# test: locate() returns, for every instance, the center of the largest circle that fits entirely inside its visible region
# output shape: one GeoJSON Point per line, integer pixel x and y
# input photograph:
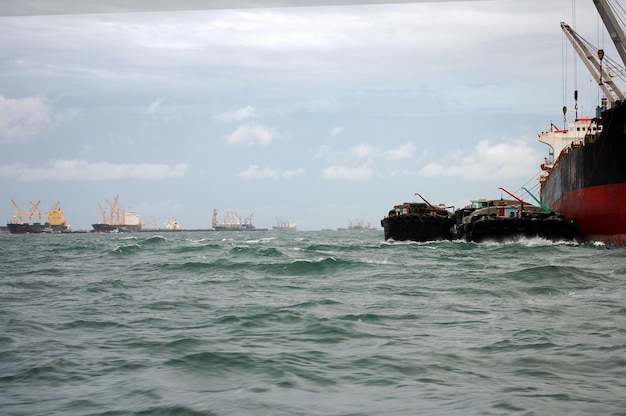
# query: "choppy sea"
{"type": "Point", "coordinates": [309, 323]}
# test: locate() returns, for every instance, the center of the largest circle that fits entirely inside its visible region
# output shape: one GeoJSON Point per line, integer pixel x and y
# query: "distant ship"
{"type": "Point", "coordinates": [585, 175]}
{"type": "Point", "coordinates": [172, 225]}
{"type": "Point", "coordinates": [56, 222]}
{"type": "Point", "coordinates": [232, 222]}
{"type": "Point", "coordinates": [119, 220]}
{"type": "Point", "coordinates": [284, 225]}
{"type": "Point", "coordinates": [359, 225]}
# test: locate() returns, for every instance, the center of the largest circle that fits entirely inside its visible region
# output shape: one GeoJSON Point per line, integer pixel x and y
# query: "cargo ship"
{"type": "Point", "coordinates": [358, 225]}
{"type": "Point", "coordinates": [232, 222]}
{"type": "Point", "coordinates": [585, 174]}
{"type": "Point", "coordinates": [118, 221]}
{"type": "Point", "coordinates": [56, 222]}
{"type": "Point", "coordinates": [284, 225]}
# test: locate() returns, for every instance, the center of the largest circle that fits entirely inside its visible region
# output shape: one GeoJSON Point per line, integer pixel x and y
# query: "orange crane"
{"type": "Point", "coordinates": [33, 208]}
{"type": "Point", "coordinates": [113, 208]}
{"type": "Point", "coordinates": [19, 212]}
{"type": "Point", "coordinates": [104, 214]}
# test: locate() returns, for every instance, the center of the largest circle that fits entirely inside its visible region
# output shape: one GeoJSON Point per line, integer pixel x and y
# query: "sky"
{"type": "Point", "coordinates": [323, 116]}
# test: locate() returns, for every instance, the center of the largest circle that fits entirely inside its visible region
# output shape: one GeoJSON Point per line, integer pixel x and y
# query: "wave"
{"type": "Point", "coordinates": [90, 324]}
{"type": "Point", "coordinates": [257, 251]}
{"type": "Point", "coordinates": [126, 249]}
{"type": "Point", "coordinates": [155, 239]}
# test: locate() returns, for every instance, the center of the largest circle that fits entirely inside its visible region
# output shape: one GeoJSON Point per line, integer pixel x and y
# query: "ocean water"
{"type": "Point", "coordinates": [309, 323]}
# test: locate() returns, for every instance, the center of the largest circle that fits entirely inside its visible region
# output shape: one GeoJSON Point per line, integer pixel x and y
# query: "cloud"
{"type": "Point", "coordinates": [404, 151]}
{"type": "Point", "coordinates": [81, 170]}
{"type": "Point", "coordinates": [267, 172]}
{"type": "Point", "coordinates": [366, 151]}
{"type": "Point", "coordinates": [154, 106]}
{"type": "Point", "coordinates": [335, 131]}
{"type": "Point", "coordinates": [363, 151]}
{"type": "Point", "coordinates": [244, 113]}
{"type": "Point", "coordinates": [344, 172]}
{"type": "Point", "coordinates": [252, 134]}
{"type": "Point", "coordinates": [487, 162]}
{"type": "Point", "coordinates": [21, 118]}
{"type": "Point", "coordinates": [65, 7]}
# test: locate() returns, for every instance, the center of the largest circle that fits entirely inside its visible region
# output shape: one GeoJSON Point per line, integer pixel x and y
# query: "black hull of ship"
{"type": "Point", "coordinates": [588, 183]}
{"type": "Point", "coordinates": [36, 228]}
{"type": "Point", "coordinates": [241, 228]}
{"type": "Point", "coordinates": [121, 228]}
{"type": "Point", "coordinates": [514, 229]}
{"type": "Point", "coordinates": [413, 227]}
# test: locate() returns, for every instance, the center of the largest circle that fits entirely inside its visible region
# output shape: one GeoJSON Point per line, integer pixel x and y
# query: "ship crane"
{"type": "Point", "coordinates": [20, 214]}
{"type": "Point", "coordinates": [214, 218]}
{"type": "Point", "coordinates": [595, 67]}
{"type": "Point", "coordinates": [103, 213]}
{"type": "Point", "coordinates": [615, 30]}
{"type": "Point", "coordinates": [114, 210]}
{"type": "Point", "coordinates": [33, 208]}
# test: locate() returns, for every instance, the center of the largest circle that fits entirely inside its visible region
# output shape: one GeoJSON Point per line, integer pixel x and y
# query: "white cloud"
{"type": "Point", "coordinates": [404, 151]}
{"type": "Point", "coordinates": [252, 134]}
{"type": "Point", "coordinates": [154, 106]}
{"type": "Point", "coordinates": [363, 151]}
{"type": "Point", "coordinates": [267, 172]}
{"type": "Point", "coordinates": [488, 162]}
{"type": "Point", "coordinates": [81, 170]}
{"type": "Point", "coordinates": [21, 118]}
{"type": "Point", "coordinates": [244, 113]}
{"type": "Point", "coordinates": [366, 151]}
{"type": "Point", "coordinates": [335, 131]}
{"type": "Point", "coordinates": [344, 172]}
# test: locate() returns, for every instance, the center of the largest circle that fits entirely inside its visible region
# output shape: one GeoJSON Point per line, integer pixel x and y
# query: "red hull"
{"type": "Point", "coordinates": [598, 211]}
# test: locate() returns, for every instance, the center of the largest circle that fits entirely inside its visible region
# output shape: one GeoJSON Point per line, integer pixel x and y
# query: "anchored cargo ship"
{"type": "Point", "coordinates": [284, 225]}
{"type": "Point", "coordinates": [232, 222]}
{"type": "Point", "coordinates": [585, 175]}
{"type": "Point", "coordinates": [118, 221]}
{"type": "Point", "coordinates": [358, 225]}
{"type": "Point", "coordinates": [56, 222]}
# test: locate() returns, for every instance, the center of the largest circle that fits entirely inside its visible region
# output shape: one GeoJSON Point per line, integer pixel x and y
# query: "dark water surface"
{"type": "Point", "coordinates": [308, 323]}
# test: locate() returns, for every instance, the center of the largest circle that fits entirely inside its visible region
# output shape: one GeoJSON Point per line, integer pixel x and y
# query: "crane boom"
{"type": "Point", "coordinates": [19, 212]}
{"type": "Point", "coordinates": [434, 208]}
{"type": "Point", "coordinates": [103, 213]}
{"type": "Point", "coordinates": [597, 71]}
{"type": "Point", "coordinates": [33, 209]}
{"type": "Point", "coordinates": [521, 201]}
{"type": "Point", "coordinates": [615, 30]}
